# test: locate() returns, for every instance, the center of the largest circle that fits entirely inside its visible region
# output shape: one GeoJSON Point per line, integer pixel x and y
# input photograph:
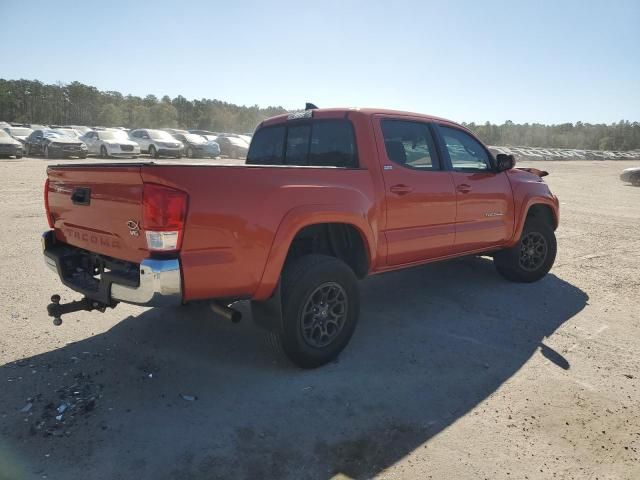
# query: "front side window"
{"type": "Point", "coordinates": [409, 144]}
{"type": "Point", "coordinates": [466, 152]}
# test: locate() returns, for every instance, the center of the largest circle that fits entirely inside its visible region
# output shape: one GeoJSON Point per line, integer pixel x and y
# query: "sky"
{"type": "Point", "coordinates": [535, 61]}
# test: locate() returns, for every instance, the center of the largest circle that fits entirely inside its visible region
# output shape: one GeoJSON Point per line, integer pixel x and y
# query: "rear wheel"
{"type": "Point", "coordinates": [320, 308]}
{"type": "Point", "coordinates": [533, 256]}
{"type": "Point", "coordinates": [153, 152]}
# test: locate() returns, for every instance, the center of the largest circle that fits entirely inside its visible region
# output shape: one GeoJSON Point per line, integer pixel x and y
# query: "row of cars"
{"type": "Point", "coordinates": [77, 141]}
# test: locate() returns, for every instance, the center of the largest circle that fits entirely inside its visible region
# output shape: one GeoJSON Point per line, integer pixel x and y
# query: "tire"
{"type": "Point", "coordinates": [532, 257]}
{"type": "Point", "coordinates": [153, 152]}
{"type": "Point", "coordinates": [83, 156]}
{"type": "Point", "coordinates": [324, 291]}
{"type": "Point", "coordinates": [190, 153]}
{"type": "Point", "coordinates": [635, 180]}
{"type": "Point", "coordinates": [103, 152]}
{"type": "Point", "coordinates": [18, 157]}
{"type": "Point", "coordinates": [46, 152]}
{"type": "Point", "coordinates": [27, 150]}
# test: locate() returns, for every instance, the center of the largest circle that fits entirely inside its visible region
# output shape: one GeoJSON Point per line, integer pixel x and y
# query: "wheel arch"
{"type": "Point", "coordinates": [542, 208]}
{"type": "Point", "coordinates": [332, 224]}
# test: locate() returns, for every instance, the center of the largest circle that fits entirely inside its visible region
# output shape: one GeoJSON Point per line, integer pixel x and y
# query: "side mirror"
{"type": "Point", "coordinates": [505, 162]}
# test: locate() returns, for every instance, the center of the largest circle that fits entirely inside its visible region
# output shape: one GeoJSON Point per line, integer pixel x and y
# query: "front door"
{"type": "Point", "coordinates": [485, 213]}
{"type": "Point", "coordinates": [420, 196]}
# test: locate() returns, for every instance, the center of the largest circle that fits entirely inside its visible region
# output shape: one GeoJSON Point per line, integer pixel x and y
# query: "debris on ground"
{"type": "Point", "coordinates": [188, 398]}
{"type": "Point", "coordinates": [27, 407]}
{"type": "Point", "coordinates": [73, 401]}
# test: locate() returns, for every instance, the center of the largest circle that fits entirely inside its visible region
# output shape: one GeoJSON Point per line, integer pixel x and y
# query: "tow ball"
{"type": "Point", "coordinates": [56, 309]}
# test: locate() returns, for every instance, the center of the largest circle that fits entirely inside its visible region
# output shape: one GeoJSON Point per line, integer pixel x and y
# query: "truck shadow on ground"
{"type": "Point", "coordinates": [433, 342]}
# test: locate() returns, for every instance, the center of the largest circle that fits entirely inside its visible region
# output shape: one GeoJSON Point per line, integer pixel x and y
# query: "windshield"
{"type": "Point", "coordinates": [160, 135]}
{"type": "Point", "coordinates": [22, 132]}
{"type": "Point", "coordinates": [194, 138]}
{"type": "Point", "coordinates": [113, 135]}
{"type": "Point", "coordinates": [51, 134]}
{"type": "Point", "coordinates": [211, 138]}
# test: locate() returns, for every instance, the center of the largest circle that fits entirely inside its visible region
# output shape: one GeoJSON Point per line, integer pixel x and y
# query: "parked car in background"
{"type": "Point", "coordinates": [33, 126]}
{"type": "Point", "coordinates": [9, 146]}
{"type": "Point", "coordinates": [67, 131]}
{"type": "Point", "coordinates": [54, 144]}
{"type": "Point", "coordinates": [204, 132]}
{"type": "Point", "coordinates": [174, 131]}
{"type": "Point", "coordinates": [631, 175]}
{"type": "Point", "coordinates": [157, 143]}
{"type": "Point", "coordinates": [111, 143]}
{"type": "Point", "coordinates": [233, 147]}
{"type": "Point", "coordinates": [197, 146]}
{"type": "Point", "coordinates": [81, 129]}
{"type": "Point", "coordinates": [19, 133]}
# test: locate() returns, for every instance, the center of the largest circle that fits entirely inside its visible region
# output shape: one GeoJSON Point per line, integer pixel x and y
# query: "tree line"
{"type": "Point", "coordinates": [31, 101]}
{"type": "Point", "coordinates": [623, 135]}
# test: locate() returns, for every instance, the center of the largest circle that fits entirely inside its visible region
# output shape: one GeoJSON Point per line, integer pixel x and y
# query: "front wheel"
{"type": "Point", "coordinates": [103, 152]}
{"type": "Point", "coordinates": [532, 258]}
{"type": "Point", "coordinates": [153, 153]}
{"type": "Point", "coordinates": [320, 308]}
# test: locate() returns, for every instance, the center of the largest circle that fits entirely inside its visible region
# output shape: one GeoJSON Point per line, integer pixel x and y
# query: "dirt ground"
{"type": "Point", "coordinates": [453, 372]}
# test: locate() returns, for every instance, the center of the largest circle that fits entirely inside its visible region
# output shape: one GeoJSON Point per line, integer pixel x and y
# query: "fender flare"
{"type": "Point", "coordinates": [297, 219]}
{"type": "Point", "coordinates": [528, 202]}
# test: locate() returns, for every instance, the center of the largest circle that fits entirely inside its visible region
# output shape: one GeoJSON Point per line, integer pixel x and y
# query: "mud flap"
{"type": "Point", "coordinates": [267, 314]}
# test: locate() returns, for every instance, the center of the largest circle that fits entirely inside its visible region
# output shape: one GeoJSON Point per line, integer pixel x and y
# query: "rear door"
{"type": "Point", "coordinates": [485, 211]}
{"type": "Point", "coordinates": [99, 208]}
{"type": "Point", "coordinates": [420, 195]}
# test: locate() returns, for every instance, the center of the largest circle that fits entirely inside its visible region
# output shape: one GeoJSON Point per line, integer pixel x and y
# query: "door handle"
{"type": "Point", "coordinates": [401, 189]}
{"type": "Point", "coordinates": [463, 188]}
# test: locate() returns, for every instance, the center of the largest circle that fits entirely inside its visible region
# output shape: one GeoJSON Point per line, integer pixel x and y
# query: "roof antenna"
{"type": "Point", "coordinates": [310, 106]}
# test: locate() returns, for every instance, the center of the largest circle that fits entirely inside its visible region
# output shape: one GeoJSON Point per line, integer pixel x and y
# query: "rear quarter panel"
{"type": "Point", "coordinates": [242, 219]}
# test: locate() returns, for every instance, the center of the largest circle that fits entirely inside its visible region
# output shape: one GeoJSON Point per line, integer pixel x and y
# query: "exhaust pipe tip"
{"type": "Point", "coordinates": [226, 312]}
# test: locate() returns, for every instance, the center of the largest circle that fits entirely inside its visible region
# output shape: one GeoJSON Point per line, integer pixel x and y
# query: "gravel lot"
{"type": "Point", "coordinates": [452, 373]}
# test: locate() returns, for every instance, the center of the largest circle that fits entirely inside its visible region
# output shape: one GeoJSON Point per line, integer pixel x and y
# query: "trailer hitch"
{"type": "Point", "coordinates": [56, 309]}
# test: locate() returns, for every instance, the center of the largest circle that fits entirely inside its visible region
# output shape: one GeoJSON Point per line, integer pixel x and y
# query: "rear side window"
{"type": "Point", "coordinates": [409, 144]}
{"type": "Point", "coordinates": [323, 143]}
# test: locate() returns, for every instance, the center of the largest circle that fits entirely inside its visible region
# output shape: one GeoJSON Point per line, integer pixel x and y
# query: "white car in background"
{"type": "Point", "coordinates": [111, 143]}
{"type": "Point", "coordinates": [157, 143]}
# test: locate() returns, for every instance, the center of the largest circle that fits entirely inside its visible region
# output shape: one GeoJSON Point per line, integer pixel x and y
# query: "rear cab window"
{"type": "Point", "coordinates": [315, 143]}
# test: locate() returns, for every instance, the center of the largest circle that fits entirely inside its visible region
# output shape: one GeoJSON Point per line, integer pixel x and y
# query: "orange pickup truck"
{"type": "Point", "coordinates": [327, 197]}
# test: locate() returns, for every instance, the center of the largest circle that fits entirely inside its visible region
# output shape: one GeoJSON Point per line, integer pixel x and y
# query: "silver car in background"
{"type": "Point", "coordinates": [111, 143]}
{"type": "Point", "coordinates": [157, 143]}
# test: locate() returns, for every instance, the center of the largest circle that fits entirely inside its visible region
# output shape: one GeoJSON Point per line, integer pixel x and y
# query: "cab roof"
{"type": "Point", "coordinates": [344, 112]}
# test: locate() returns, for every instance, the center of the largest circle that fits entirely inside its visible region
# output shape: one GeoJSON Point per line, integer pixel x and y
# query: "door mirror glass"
{"type": "Point", "coordinates": [505, 162]}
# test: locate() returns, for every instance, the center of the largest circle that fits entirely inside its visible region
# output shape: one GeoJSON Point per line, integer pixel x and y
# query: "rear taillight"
{"type": "Point", "coordinates": [46, 204]}
{"type": "Point", "coordinates": [164, 210]}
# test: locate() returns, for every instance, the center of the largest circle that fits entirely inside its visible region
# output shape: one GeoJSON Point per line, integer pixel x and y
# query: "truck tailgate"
{"type": "Point", "coordinates": [98, 208]}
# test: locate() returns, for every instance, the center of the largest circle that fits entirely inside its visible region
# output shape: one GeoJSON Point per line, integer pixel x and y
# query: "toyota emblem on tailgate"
{"type": "Point", "coordinates": [134, 228]}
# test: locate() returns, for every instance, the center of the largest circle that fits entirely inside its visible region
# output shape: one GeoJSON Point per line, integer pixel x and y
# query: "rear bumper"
{"type": "Point", "coordinates": [153, 283]}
